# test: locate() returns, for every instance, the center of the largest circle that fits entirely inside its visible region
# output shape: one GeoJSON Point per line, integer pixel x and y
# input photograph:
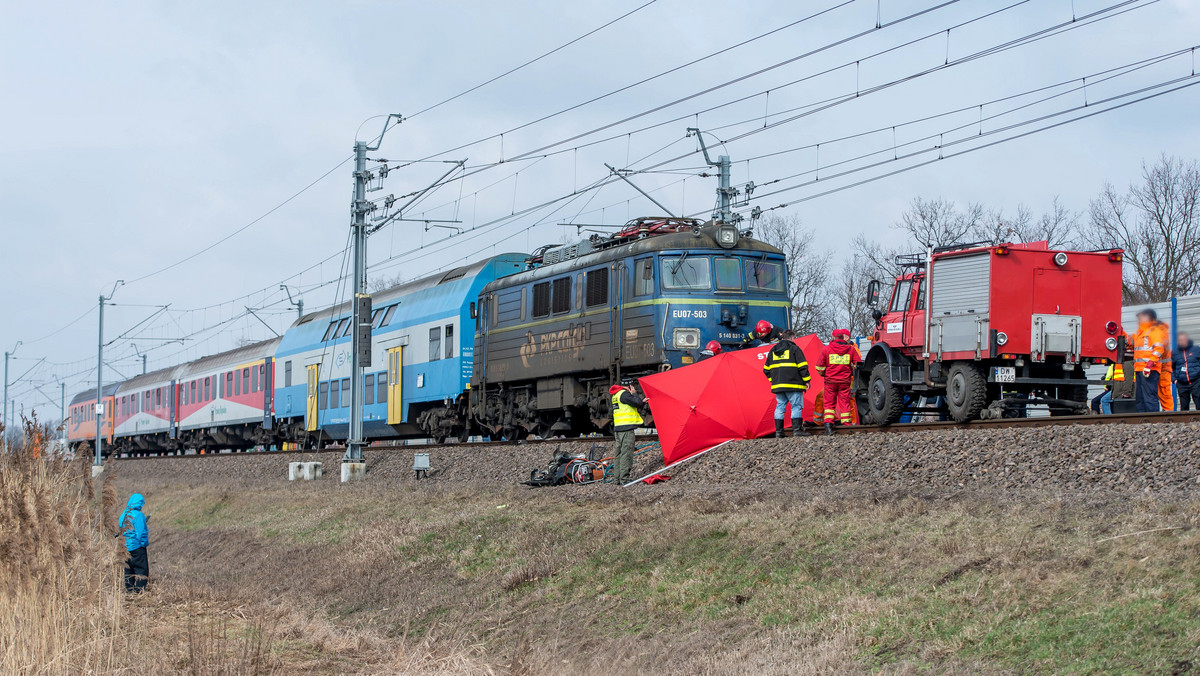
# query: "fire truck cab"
{"type": "Point", "coordinates": [992, 328]}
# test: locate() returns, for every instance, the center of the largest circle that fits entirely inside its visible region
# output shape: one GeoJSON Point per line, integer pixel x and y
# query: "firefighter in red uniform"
{"type": "Point", "coordinates": [836, 365]}
{"type": "Point", "coordinates": [712, 349]}
{"type": "Point", "coordinates": [762, 334]}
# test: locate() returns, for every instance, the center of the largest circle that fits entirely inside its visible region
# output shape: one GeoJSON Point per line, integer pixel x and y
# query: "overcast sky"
{"type": "Point", "coordinates": [134, 139]}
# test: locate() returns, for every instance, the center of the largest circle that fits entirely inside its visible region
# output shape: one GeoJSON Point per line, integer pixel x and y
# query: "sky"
{"type": "Point", "coordinates": [198, 151]}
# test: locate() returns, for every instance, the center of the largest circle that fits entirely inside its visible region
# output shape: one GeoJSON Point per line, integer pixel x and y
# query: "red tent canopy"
{"type": "Point", "coordinates": [725, 397]}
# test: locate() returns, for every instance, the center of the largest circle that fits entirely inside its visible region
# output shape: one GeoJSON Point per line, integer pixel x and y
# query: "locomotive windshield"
{"type": "Point", "coordinates": [764, 276]}
{"type": "Point", "coordinates": [686, 272]}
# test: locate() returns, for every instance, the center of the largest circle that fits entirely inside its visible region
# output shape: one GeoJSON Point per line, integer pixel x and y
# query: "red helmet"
{"type": "Point", "coordinates": [841, 333]}
{"type": "Point", "coordinates": [762, 328]}
{"type": "Point", "coordinates": [713, 346]}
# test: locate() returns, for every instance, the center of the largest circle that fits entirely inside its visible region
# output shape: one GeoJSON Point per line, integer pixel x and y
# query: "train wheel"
{"type": "Point", "coordinates": [966, 391]}
{"type": "Point", "coordinates": [885, 401]}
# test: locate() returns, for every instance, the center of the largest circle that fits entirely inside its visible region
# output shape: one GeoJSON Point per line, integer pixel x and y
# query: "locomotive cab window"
{"type": "Point", "coordinates": [729, 274]}
{"type": "Point", "coordinates": [764, 276]}
{"type": "Point", "coordinates": [597, 287]}
{"type": "Point", "coordinates": [541, 299]}
{"type": "Point", "coordinates": [643, 277]}
{"type": "Point", "coordinates": [560, 297]}
{"type": "Point", "coordinates": [686, 273]}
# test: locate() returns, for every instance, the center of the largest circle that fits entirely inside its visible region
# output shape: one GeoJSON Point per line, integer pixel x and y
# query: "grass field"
{"type": "Point", "coordinates": [596, 580]}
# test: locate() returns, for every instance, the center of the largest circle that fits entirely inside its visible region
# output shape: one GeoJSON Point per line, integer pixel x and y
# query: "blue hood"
{"type": "Point", "coordinates": [136, 501]}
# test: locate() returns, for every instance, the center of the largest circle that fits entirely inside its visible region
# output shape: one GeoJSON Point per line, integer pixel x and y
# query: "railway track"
{"type": "Point", "coordinates": [1182, 417]}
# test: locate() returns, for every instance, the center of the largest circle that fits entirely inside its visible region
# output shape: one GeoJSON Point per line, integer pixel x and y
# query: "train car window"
{"type": "Point", "coordinates": [287, 374]}
{"type": "Point", "coordinates": [341, 326]}
{"type": "Point", "coordinates": [237, 386]}
{"type": "Point", "coordinates": [345, 391]}
{"type": "Point", "coordinates": [254, 380]}
{"type": "Point", "coordinates": [449, 341]}
{"type": "Point", "coordinates": [561, 295]}
{"type": "Point", "coordinates": [686, 272]}
{"type": "Point", "coordinates": [921, 293]}
{"type": "Point", "coordinates": [329, 330]}
{"type": "Point", "coordinates": [435, 343]}
{"type": "Point", "coordinates": [208, 389]}
{"type": "Point", "coordinates": [541, 299]}
{"type": "Point", "coordinates": [597, 287]}
{"type": "Point", "coordinates": [192, 392]}
{"type": "Point", "coordinates": [729, 274]}
{"type": "Point", "coordinates": [229, 384]}
{"type": "Point", "coordinates": [323, 396]}
{"type": "Point", "coordinates": [764, 276]}
{"type": "Point", "coordinates": [158, 398]}
{"type": "Point", "coordinates": [376, 315]}
{"type": "Point", "coordinates": [387, 317]}
{"type": "Point", "coordinates": [368, 389]}
{"type": "Point", "coordinates": [335, 390]}
{"type": "Point", "coordinates": [902, 296]}
{"type": "Point", "coordinates": [349, 325]}
{"type": "Point", "coordinates": [643, 277]}
{"type": "Point", "coordinates": [382, 388]}
{"type": "Point", "coordinates": [245, 381]}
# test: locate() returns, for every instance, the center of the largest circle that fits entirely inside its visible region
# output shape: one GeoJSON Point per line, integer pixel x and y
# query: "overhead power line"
{"type": "Point", "coordinates": [534, 60]}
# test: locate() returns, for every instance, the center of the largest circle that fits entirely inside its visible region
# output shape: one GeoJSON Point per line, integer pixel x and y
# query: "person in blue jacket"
{"type": "Point", "coordinates": [133, 524]}
{"type": "Point", "coordinates": [1186, 361]}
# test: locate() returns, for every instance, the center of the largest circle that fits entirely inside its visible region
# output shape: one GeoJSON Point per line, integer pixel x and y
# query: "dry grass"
{"type": "Point", "coordinates": [62, 592]}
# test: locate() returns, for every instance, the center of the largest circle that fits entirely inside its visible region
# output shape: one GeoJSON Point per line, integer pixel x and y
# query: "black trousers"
{"type": "Point", "coordinates": [1188, 393]}
{"type": "Point", "coordinates": [1147, 392]}
{"type": "Point", "coordinates": [137, 570]}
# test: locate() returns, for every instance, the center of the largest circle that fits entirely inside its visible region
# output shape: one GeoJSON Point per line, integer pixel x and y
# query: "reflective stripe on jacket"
{"type": "Point", "coordinates": [787, 368]}
{"type": "Point", "coordinates": [1150, 346]}
{"type": "Point", "coordinates": [838, 360]}
{"type": "Point", "coordinates": [624, 415]}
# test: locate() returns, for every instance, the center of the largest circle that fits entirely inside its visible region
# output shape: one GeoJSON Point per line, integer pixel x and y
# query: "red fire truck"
{"type": "Point", "coordinates": [992, 329]}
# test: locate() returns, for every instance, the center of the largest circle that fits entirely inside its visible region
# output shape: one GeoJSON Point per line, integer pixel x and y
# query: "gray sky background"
{"type": "Point", "coordinates": [135, 138]}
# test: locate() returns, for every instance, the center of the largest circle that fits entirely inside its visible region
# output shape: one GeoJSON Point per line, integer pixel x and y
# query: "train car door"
{"type": "Point", "coordinates": [395, 388]}
{"type": "Point", "coordinates": [267, 369]}
{"type": "Point", "coordinates": [310, 409]}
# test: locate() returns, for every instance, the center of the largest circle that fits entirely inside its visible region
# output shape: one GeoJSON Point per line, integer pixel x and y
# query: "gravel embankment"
{"type": "Point", "coordinates": [1124, 458]}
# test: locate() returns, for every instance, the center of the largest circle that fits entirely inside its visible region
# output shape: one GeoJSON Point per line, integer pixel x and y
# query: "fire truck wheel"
{"type": "Point", "coordinates": [885, 401]}
{"type": "Point", "coordinates": [966, 391]}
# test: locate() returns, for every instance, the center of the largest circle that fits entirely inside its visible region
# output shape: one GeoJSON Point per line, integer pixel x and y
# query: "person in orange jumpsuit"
{"type": "Point", "coordinates": [836, 366]}
{"type": "Point", "coordinates": [1152, 363]}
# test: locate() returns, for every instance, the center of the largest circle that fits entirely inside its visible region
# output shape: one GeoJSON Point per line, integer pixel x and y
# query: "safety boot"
{"type": "Point", "coordinates": [778, 429]}
{"type": "Point", "coordinates": [798, 428]}
{"type": "Point", "coordinates": [829, 429]}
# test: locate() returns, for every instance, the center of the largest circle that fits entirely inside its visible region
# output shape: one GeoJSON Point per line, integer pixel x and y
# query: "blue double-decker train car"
{"type": "Point", "coordinates": [422, 357]}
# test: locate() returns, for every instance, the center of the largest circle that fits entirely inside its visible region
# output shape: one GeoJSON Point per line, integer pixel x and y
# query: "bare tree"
{"type": "Point", "coordinates": [1059, 226]}
{"type": "Point", "coordinates": [853, 313]}
{"type": "Point", "coordinates": [1155, 222]}
{"type": "Point", "coordinates": [808, 271]}
{"type": "Point", "coordinates": [938, 222]}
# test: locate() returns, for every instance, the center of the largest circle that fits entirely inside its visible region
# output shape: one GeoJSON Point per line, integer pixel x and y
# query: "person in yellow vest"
{"type": "Point", "coordinates": [1102, 403]}
{"type": "Point", "coordinates": [627, 409]}
{"type": "Point", "coordinates": [1152, 359]}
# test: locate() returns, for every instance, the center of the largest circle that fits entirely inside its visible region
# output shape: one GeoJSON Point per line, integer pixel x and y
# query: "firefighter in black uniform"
{"type": "Point", "coordinates": [787, 369]}
{"type": "Point", "coordinates": [762, 334]}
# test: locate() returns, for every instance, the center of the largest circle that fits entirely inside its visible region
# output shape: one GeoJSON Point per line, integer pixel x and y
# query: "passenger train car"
{"type": "Point", "coordinates": [511, 345]}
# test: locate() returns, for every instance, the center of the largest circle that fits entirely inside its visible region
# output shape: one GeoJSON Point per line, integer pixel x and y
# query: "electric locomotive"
{"type": "Point", "coordinates": [550, 341]}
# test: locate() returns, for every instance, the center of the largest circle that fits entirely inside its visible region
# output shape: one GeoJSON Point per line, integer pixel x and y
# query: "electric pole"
{"type": "Point", "coordinates": [62, 408]}
{"type": "Point", "coordinates": [7, 355]}
{"type": "Point", "coordinates": [360, 346]}
{"type": "Point", "coordinates": [98, 463]}
{"type": "Point", "coordinates": [725, 193]}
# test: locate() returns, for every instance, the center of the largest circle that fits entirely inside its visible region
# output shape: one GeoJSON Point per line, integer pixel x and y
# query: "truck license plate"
{"type": "Point", "coordinates": [1004, 374]}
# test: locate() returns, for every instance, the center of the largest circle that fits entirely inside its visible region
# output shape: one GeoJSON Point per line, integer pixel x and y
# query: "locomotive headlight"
{"type": "Point", "coordinates": [1001, 337]}
{"type": "Point", "coordinates": [727, 236]}
{"type": "Point", "coordinates": [1110, 343]}
{"type": "Point", "coordinates": [1060, 259]}
{"type": "Point", "coordinates": [686, 339]}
